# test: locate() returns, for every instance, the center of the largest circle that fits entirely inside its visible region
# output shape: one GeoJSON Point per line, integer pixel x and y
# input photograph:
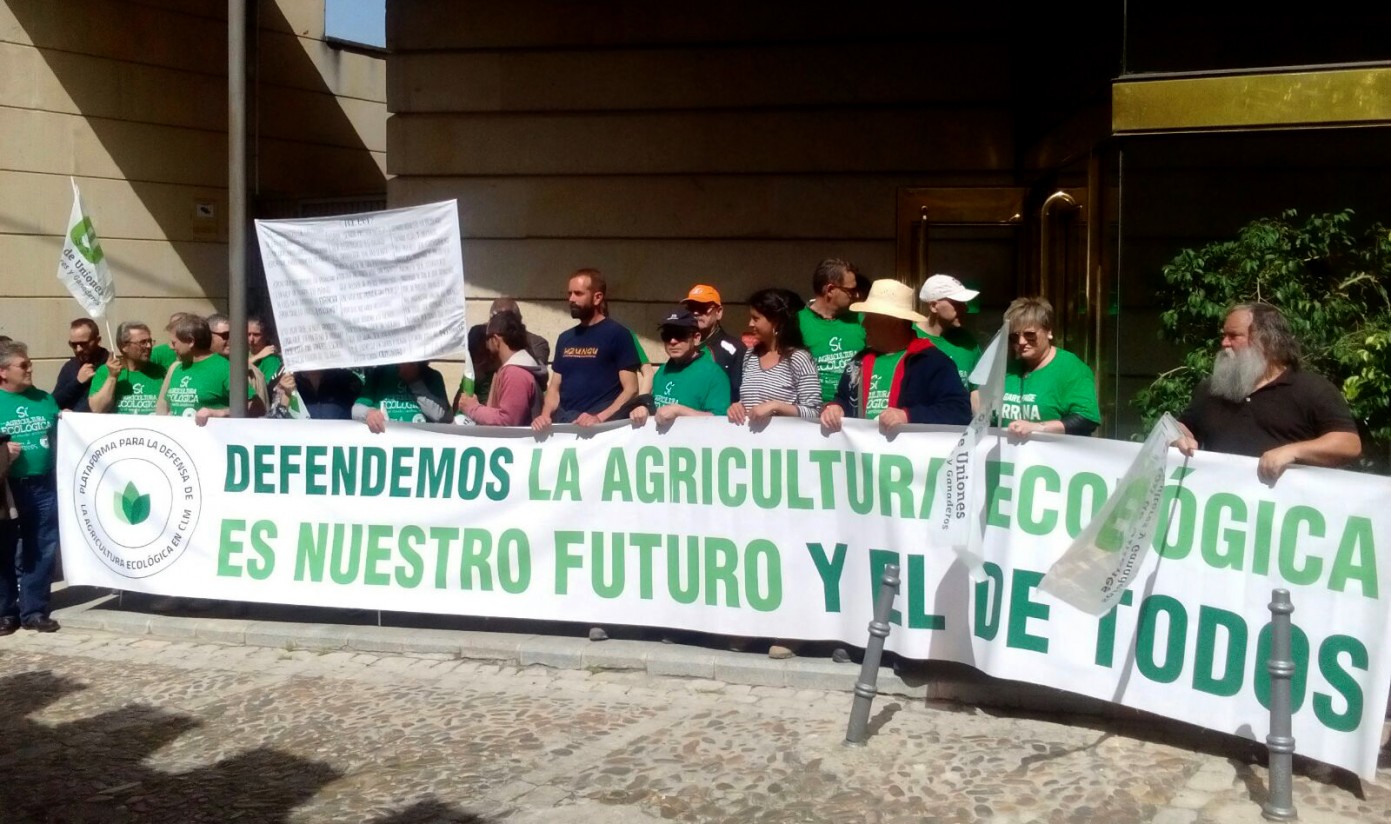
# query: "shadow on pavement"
{"type": "Point", "coordinates": [92, 769]}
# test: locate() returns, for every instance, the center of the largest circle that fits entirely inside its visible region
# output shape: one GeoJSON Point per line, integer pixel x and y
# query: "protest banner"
{"type": "Point", "coordinates": [777, 533]}
{"type": "Point", "coordinates": [82, 265]}
{"type": "Point", "coordinates": [367, 289]}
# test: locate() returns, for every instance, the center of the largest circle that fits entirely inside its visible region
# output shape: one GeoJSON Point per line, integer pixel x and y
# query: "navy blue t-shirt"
{"type": "Point", "coordinates": [588, 360]}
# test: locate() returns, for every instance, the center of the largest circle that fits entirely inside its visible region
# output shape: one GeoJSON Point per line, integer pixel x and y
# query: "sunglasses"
{"type": "Point", "coordinates": [1030, 337]}
{"type": "Point", "coordinates": [702, 308]}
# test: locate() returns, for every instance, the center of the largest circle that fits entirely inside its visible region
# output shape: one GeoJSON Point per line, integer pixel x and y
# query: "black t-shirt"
{"type": "Point", "coordinates": [1297, 406]}
{"type": "Point", "coordinates": [729, 354]}
{"type": "Point", "coordinates": [588, 360]}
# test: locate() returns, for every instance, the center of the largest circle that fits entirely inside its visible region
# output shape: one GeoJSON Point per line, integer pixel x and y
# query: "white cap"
{"type": "Point", "coordinates": [946, 287]}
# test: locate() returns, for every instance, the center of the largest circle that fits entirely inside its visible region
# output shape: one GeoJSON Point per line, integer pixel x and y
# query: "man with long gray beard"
{"type": "Point", "coordinates": [1258, 402]}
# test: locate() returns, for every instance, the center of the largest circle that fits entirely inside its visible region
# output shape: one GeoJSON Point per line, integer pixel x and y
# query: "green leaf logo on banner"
{"type": "Point", "coordinates": [131, 506]}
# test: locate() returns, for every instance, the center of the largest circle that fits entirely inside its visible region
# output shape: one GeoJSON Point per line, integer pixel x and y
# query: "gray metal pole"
{"type": "Point", "coordinates": [236, 199]}
{"type": "Point", "coordinates": [1280, 742]}
{"type": "Point", "coordinates": [857, 732]}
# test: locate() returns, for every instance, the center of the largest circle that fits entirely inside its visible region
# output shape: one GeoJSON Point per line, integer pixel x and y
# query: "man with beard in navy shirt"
{"type": "Point", "coordinates": [595, 363]}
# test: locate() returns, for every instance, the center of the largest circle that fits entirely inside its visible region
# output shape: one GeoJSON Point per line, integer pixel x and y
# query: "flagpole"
{"type": "Point", "coordinates": [236, 200]}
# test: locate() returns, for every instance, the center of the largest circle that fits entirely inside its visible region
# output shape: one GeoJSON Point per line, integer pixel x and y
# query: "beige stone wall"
{"type": "Point", "coordinates": [130, 99]}
{"type": "Point", "coordinates": [736, 145]}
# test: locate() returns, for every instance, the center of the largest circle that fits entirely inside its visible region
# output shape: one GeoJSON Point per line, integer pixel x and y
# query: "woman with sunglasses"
{"type": "Point", "coordinates": [1047, 389]}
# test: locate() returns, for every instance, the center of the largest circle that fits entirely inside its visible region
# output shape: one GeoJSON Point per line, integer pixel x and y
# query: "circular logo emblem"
{"type": "Point", "coordinates": [137, 497]}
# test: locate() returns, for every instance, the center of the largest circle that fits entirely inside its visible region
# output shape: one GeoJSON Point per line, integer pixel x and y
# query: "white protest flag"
{"type": "Point", "coordinates": [961, 491]}
{"type": "Point", "coordinates": [367, 289]}
{"type": "Point", "coordinates": [1096, 569]}
{"type": "Point", "coordinates": [82, 266]}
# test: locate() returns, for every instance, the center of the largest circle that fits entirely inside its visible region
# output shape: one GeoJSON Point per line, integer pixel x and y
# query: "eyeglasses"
{"type": "Point", "coordinates": [77, 344]}
{"type": "Point", "coordinates": [139, 343]}
{"type": "Point", "coordinates": [24, 365]}
{"type": "Point", "coordinates": [849, 290]}
{"type": "Point", "coordinates": [1030, 337]}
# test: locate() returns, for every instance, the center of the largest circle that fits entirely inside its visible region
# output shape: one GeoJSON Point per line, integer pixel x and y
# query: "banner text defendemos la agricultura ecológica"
{"type": "Point", "coordinates": [778, 533]}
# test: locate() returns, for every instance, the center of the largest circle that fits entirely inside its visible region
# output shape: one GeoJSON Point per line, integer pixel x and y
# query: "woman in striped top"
{"type": "Point", "coordinates": [779, 376]}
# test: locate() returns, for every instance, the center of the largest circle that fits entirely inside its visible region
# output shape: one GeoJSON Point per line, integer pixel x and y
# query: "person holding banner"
{"type": "Point", "coordinates": [832, 334]}
{"type": "Point", "coordinates": [691, 383]}
{"type": "Point", "coordinates": [88, 355]}
{"type": "Point", "coordinates": [1047, 389]}
{"type": "Point", "coordinates": [900, 378]}
{"type": "Point", "coordinates": [514, 395]}
{"type": "Point", "coordinates": [407, 392]}
{"type": "Point", "coordinates": [1259, 403]}
{"type": "Point", "coordinates": [199, 385]}
{"type": "Point", "coordinates": [29, 542]}
{"type": "Point", "coordinates": [704, 302]}
{"type": "Point", "coordinates": [595, 372]}
{"type": "Point", "coordinates": [779, 376]}
{"type": "Point", "coordinates": [129, 383]}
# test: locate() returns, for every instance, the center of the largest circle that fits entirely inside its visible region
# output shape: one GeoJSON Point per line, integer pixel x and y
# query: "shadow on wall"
{"type": "Point", "coordinates": [91, 768]}
{"type": "Point", "coordinates": [306, 148]}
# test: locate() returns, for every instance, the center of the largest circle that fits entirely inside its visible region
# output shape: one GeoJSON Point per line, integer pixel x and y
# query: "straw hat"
{"type": "Point", "coordinates": [889, 297]}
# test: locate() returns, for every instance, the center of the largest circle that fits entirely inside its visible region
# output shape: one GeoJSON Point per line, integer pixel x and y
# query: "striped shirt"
{"type": "Point", "coordinates": [793, 379]}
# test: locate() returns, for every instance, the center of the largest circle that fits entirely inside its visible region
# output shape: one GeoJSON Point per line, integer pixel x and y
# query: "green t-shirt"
{"type": "Point", "coordinates": [386, 391]}
{"type": "Point", "coordinates": [702, 385]}
{"type": "Point", "coordinates": [642, 353]}
{"type": "Point", "coordinates": [164, 355]}
{"type": "Point", "coordinates": [269, 366]}
{"type": "Point", "coordinates": [1063, 386]}
{"type": "Point", "coordinates": [204, 384]}
{"type": "Point", "coordinates": [881, 383]}
{"type": "Point", "coordinates": [959, 345]}
{"type": "Point", "coordinates": [136, 391]}
{"type": "Point", "coordinates": [833, 344]}
{"type": "Point", "coordinates": [28, 418]}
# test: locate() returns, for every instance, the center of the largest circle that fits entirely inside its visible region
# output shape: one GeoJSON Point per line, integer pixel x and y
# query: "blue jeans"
{"type": "Point", "coordinates": [28, 547]}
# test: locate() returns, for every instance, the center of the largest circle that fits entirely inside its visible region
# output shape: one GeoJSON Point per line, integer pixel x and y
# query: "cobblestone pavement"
{"type": "Point", "coordinates": [104, 727]}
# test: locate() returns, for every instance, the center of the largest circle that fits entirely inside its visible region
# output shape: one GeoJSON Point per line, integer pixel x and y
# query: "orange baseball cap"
{"type": "Point", "coordinates": [700, 293]}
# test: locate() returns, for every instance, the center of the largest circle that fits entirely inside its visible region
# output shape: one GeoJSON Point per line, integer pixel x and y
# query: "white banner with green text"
{"type": "Point", "coordinates": [779, 533]}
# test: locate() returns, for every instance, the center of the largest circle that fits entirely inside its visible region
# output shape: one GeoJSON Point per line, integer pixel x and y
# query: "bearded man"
{"type": "Point", "coordinates": [1258, 401]}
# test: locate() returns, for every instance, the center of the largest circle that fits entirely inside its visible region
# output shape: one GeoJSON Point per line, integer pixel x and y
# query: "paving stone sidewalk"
{"type": "Point", "coordinates": [108, 727]}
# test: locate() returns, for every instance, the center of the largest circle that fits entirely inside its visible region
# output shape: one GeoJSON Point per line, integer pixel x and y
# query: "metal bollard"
{"type": "Point", "coordinates": [866, 688]}
{"type": "Point", "coordinates": [1280, 742]}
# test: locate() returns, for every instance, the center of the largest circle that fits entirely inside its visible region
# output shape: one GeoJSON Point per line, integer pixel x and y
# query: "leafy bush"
{"type": "Point", "coordinates": [1331, 283]}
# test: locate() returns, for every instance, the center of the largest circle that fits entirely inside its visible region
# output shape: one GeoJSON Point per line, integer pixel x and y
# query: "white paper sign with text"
{"type": "Point", "coordinates": [366, 289]}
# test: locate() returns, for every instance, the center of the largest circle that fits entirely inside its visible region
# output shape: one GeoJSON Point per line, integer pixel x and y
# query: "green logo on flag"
{"type": "Point", "coordinates": [84, 237]}
{"type": "Point", "coordinates": [132, 507]}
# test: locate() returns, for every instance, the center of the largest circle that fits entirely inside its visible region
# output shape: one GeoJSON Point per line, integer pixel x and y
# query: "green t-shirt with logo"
{"type": "Point", "coordinates": [136, 390]}
{"type": "Point", "coordinates": [1063, 386]}
{"type": "Point", "coordinates": [164, 355]}
{"type": "Point", "coordinates": [959, 345]}
{"type": "Point", "coordinates": [833, 344]}
{"type": "Point", "coordinates": [204, 384]}
{"type": "Point", "coordinates": [385, 390]}
{"type": "Point", "coordinates": [881, 381]}
{"type": "Point", "coordinates": [28, 418]}
{"type": "Point", "coordinates": [702, 385]}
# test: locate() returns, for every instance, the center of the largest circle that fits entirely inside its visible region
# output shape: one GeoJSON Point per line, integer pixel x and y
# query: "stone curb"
{"type": "Point", "coordinates": [947, 682]}
{"type": "Point", "coordinates": [517, 649]}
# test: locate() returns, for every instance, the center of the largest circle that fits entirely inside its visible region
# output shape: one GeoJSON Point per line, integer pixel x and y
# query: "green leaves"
{"type": "Point", "coordinates": [132, 507]}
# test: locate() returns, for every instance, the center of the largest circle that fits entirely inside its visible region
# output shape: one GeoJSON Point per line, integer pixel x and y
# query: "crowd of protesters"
{"type": "Point", "coordinates": [856, 349]}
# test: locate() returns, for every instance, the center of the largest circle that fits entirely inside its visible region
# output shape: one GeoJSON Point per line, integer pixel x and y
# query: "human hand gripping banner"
{"type": "Point", "coordinates": [778, 533]}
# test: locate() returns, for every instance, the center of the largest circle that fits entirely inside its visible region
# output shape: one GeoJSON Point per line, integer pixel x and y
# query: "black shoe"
{"type": "Point", "coordinates": [9, 625]}
{"type": "Point", "coordinates": [41, 625]}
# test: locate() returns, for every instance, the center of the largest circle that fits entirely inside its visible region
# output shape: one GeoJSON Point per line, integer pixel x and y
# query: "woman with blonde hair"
{"type": "Point", "coordinates": [1047, 389]}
